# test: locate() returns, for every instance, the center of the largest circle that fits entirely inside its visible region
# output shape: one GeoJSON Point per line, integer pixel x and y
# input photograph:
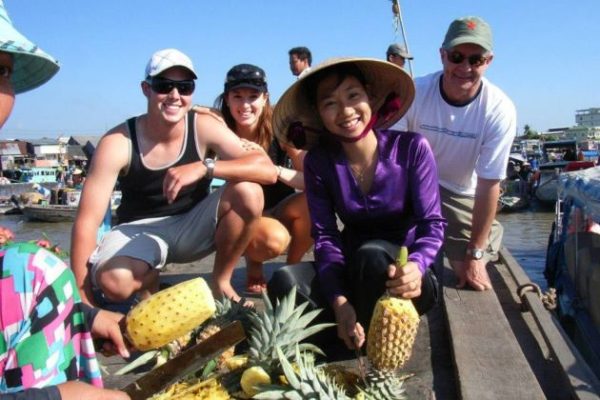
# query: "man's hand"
{"type": "Point", "coordinates": [473, 273]}
{"type": "Point", "coordinates": [350, 331]}
{"type": "Point", "coordinates": [404, 281]}
{"type": "Point", "coordinates": [179, 177]}
{"type": "Point", "coordinates": [107, 325]}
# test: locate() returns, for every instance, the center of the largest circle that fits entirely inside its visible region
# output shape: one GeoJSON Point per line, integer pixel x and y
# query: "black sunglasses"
{"type": "Point", "coordinates": [165, 86]}
{"type": "Point", "coordinates": [476, 60]}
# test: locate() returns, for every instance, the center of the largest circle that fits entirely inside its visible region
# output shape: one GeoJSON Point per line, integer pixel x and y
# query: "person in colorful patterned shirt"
{"type": "Point", "coordinates": [46, 349]}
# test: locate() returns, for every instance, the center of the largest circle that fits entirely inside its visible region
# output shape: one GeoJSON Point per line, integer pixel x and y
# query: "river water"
{"type": "Point", "coordinates": [525, 235]}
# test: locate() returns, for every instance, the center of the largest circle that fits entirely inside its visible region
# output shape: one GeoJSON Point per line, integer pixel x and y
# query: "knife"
{"type": "Point", "coordinates": [185, 363]}
{"type": "Point", "coordinates": [362, 370]}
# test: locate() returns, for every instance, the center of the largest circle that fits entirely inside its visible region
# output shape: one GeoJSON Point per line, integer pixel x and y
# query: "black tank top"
{"type": "Point", "coordinates": [141, 188]}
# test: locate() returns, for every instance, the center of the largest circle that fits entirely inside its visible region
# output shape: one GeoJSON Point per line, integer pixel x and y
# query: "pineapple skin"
{"type": "Point", "coordinates": [169, 314]}
{"type": "Point", "coordinates": [392, 333]}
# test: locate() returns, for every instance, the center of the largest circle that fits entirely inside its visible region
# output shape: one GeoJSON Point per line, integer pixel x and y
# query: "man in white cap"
{"type": "Point", "coordinates": [164, 161]}
{"type": "Point", "coordinates": [39, 294]}
{"type": "Point", "coordinates": [398, 54]}
{"type": "Point", "coordinates": [470, 124]}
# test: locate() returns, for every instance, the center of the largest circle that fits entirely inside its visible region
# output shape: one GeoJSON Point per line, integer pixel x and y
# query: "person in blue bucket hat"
{"type": "Point", "coordinates": [46, 348]}
{"type": "Point", "coordinates": [32, 66]}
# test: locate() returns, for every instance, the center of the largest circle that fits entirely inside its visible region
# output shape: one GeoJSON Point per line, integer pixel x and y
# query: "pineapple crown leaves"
{"type": "Point", "coordinates": [281, 325]}
{"type": "Point", "coordinates": [383, 386]}
{"type": "Point", "coordinates": [309, 382]}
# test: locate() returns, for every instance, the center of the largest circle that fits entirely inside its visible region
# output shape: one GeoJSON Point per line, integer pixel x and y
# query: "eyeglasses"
{"type": "Point", "coordinates": [165, 86]}
{"type": "Point", "coordinates": [475, 60]}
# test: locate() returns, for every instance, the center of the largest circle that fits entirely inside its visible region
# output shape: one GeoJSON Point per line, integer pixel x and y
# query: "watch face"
{"type": "Point", "coordinates": [477, 254]}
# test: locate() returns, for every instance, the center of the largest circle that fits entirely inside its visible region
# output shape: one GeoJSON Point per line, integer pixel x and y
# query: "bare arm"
{"type": "Point", "coordinates": [293, 177]}
{"type": "Point", "coordinates": [484, 212]}
{"type": "Point", "coordinates": [234, 161]}
{"type": "Point", "coordinates": [110, 157]}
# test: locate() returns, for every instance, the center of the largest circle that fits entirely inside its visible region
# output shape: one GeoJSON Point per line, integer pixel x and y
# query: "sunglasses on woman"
{"type": "Point", "coordinates": [165, 86]}
{"type": "Point", "coordinates": [475, 60]}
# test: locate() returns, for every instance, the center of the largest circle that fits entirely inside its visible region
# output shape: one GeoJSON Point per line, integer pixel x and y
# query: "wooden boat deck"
{"type": "Point", "coordinates": [475, 345]}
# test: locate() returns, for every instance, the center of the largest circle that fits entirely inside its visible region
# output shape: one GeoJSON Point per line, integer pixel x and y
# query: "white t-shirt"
{"type": "Point", "coordinates": [467, 141]}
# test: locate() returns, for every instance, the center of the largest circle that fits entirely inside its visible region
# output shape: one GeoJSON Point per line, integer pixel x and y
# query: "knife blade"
{"type": "Point", "coordinates": [362, 370]}
{"type": "Point", "coordinates": [185, 363]}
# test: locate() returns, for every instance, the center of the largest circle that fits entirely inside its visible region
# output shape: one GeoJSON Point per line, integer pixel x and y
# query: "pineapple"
{"type": "Point", "coordinates": [236, 362]}
{"type": "Point", "coordinates": [310, 382]}
{"type": "Point", "coordinates": [282, 326]}
{"type": "Point", "coordinates": [227, 311]}
{"type": "Point", "coordinates": [393, 328]}
{"type": "Point", "coordinates": [169, 314]}
{"type": "Point", "coordinates": [381, 385]}
{"type": "Point", "coordinates": [252, 378]}
{"type": "Point", "coordinates": [209, 389]}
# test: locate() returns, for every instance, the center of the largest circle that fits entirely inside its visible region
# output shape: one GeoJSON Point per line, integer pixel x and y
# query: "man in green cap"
{"type": "Point", "coordinates": [470, 124]}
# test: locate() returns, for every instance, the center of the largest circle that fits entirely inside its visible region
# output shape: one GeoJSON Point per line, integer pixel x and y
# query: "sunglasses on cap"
{"type": "Point", "coordinates": [245, 74]}
{"type": "Point", "coordinates": [475, 60]}
{"type": "Point", "coordinates": [165, 86]}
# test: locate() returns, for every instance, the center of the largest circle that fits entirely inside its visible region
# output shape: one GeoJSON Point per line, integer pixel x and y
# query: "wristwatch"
{"type": "Point", "coordinates": [477, 254]}
{"type": "Point", "coordinates": [209, 163]}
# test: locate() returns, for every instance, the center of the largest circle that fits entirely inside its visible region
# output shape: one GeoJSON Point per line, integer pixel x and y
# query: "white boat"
{"type": "Point", "coordinates": [573, 260]}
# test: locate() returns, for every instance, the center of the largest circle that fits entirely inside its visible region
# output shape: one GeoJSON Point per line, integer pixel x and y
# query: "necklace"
{"type": "Point", "coordinates": [359, 174]}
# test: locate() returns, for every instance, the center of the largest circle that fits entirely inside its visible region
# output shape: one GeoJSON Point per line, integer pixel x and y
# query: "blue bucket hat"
{"type": "Point", "coordinates": [32, 66]}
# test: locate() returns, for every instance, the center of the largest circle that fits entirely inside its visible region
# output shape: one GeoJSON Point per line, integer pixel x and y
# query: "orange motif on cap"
{"type": "Point", "coordinates": [471, 25]}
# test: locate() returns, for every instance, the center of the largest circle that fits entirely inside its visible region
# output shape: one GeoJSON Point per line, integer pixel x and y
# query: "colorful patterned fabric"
{"type": "Point", "coordinates": [45, 339]}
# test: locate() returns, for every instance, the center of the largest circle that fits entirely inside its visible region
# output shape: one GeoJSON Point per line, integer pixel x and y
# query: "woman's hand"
{"type": "Point", "coordinates": [350, 331]}
{"type": "Point", "coordinates": [107, 325]}
{"type": "Point", "coordinates": [404, 281]}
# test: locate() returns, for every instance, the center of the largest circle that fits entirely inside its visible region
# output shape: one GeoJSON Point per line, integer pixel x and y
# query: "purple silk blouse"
{"type": "Point", "coordinates": [402, 206]}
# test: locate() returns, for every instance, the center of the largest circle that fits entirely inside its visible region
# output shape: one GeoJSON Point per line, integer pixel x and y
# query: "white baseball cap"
{"type": "Point", "coordinates": [162, 60]}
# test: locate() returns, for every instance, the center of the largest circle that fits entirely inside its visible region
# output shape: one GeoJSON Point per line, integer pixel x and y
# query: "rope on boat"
{"type": "Point", "coordinates": [548, 299]}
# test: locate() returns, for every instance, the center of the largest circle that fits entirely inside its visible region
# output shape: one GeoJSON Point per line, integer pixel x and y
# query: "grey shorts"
{"type": "Point", "coordinates": [458, 211]}
{"type": "Point", "coordinates": [158, 241]}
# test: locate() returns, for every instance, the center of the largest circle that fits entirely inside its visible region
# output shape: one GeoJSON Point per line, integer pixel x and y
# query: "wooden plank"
{"type": "Point", "coordinates": [584, 384]}
{"type": "Point", "coordinates": [488, 360]}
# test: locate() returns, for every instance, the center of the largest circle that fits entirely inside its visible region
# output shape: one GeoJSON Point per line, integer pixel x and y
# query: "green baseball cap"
{"type": "Point", "coordinates": [468, 30]}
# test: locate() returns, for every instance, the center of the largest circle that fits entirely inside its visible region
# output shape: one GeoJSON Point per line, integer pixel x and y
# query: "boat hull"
{"type": "Point", "coordinates": [49, 213]}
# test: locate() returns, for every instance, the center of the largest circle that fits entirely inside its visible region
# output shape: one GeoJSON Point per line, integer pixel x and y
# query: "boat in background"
{"type": "Point", "coordinates": [47, 212]}
{"type": "Point", "coordinates": [557, 157]}
{"type": "Point", "coordinates": [573, 260]}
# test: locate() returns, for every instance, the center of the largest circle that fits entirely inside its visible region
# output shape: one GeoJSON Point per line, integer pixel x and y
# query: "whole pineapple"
{"type": "Point", "coordinates": [169, 314]}
{"type": "Point", "coordinates": [393, 328]}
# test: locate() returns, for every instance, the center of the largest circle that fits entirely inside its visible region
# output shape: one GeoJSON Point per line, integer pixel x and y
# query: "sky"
{"type": "Point", "coordinates": [547, 53]}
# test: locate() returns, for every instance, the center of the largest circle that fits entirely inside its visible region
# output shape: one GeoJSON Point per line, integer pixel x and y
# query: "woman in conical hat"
{"type": "Point", "coordinates": [46, 348]}
{"type": "Point", "coordinates": [381, 184]}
